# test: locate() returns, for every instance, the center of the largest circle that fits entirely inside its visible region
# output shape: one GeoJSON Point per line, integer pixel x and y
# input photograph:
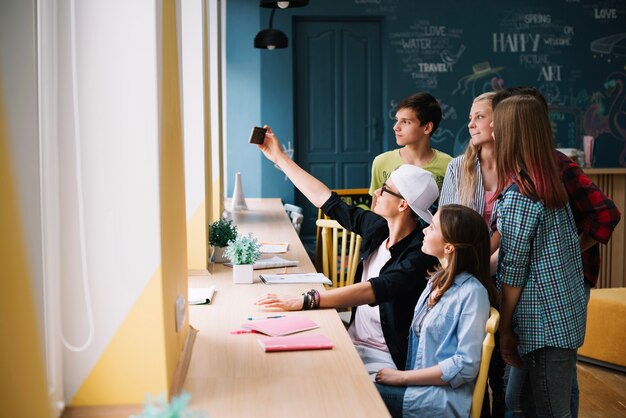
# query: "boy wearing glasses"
{"type": "Point", "coordinates": [417, 118]}
{"type": "Point", "coordinates": [392, 269]}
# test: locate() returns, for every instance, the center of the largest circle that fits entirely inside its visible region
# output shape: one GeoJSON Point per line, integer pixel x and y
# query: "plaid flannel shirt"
{"type": "Point", "coordinates": [594, 212]}
{"type": "Point", "coordinates": [540, 252]}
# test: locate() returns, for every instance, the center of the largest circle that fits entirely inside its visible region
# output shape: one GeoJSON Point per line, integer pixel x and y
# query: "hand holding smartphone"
{"type": "Point", "coordinates": [257, 136]}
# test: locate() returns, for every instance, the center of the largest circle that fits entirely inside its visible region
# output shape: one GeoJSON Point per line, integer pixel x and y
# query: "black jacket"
{"type": "Point", "coordinates": [402, 279]}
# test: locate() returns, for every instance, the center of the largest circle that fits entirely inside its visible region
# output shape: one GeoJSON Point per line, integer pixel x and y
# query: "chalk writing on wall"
{"type": "Point", "coordinates": [426, 50]}
{"type": "Point", "coordinates": [573, 51]}
{"type": "Point", "coordinates": [390, 8]}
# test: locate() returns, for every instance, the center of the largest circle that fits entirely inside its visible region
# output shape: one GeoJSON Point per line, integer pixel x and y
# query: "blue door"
{"type": "Point", "coordinates": [338, 97]}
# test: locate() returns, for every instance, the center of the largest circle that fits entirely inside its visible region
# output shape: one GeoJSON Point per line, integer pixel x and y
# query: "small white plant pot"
{"type": "Point", "coordinates": [217, 255]}
{"type": "Point", "coordinates": [243, 273]}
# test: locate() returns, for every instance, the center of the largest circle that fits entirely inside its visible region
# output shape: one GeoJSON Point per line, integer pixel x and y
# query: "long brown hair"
{"type": "Point", "coordinates": [525, 150]}
{"type": "Point", "coordinates": [466, 230]}
{"type": "Point", "coordinates": [468, 178]}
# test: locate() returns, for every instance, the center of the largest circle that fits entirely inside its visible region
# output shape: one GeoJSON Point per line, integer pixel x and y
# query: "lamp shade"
{"type": "Point", "coordinates": [270, 39]}
{"type": "Point", "coordinates": [283, 4]}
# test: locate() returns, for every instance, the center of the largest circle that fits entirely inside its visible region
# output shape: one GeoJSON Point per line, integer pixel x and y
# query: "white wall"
{"type": "Point", "coordinates": [108, 172]}
{"type": "Point", "coordinates": [198, 132]}
{"type": "Point", "coordinates": [48, 141]}
{"type": "Point", "coordinates": [94, 131]}
{"type": "Point", "coordinates": [217, 79]}
{"type": "Point", "coordinates": [194, 132]}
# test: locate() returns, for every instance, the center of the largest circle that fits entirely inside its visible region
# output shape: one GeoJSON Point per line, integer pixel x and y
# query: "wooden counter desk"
{"type": "Point", "coordinates": [230, 376]}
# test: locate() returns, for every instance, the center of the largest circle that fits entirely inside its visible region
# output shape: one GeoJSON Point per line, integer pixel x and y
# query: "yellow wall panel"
{"type": "Point", "coordinates": [172, 188]}
{"type": "Point", "coordinates": [23, 389]}
{"type": "Point", "coordinates": [197, 247]}
{"type": "Point", "coordinates": [217, 200]}
{"type": "Point", "coordinates": [133, 363]}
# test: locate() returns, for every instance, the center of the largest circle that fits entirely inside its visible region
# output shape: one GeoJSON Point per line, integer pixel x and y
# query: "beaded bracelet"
{"type": "Point", "coordinates": [316, 297]}
{"type": "Point", "coordinates": [311, 300]}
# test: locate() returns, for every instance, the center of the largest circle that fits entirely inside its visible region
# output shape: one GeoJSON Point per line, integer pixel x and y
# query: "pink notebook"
{"type": "Point", "coordinates": [281, 326]}
{"type": "Point", "coordinates": [295, 342]}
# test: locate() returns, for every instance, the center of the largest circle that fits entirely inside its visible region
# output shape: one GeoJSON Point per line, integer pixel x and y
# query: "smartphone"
{"type": "Point", "coordinates": [257, 136]}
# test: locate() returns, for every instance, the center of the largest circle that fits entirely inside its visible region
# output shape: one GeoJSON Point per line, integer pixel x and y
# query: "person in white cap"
{"type": "Point", "coordinates": [392, 270]}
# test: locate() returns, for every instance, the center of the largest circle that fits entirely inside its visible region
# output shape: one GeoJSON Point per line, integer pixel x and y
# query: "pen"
{"type": "Point", "coordinates": [242, 331]}
{"type": "Point", "coordinates": [250, 318]}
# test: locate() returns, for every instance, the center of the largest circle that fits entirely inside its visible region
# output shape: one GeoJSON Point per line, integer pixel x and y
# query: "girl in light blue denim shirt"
{"type": "Point", "coordinates": [448, 328]}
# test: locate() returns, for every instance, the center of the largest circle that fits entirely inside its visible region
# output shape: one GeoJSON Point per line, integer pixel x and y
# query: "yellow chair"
{"type": "Point", "coordinates": [481, 380]}
{"type": "Point", "coordinates": [353, 197]}
{"type": "Point", "coordinates": [339, 262]}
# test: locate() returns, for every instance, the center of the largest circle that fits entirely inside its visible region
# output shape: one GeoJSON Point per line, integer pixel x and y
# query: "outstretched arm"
{"type": "Point", "coordinates": [342, 297]}
{"type": "Point", "coordinates": [312, 188]}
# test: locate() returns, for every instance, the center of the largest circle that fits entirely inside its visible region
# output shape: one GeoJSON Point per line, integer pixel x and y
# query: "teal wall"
{"type": "Point", "coordinates": [243, 96]}
{"type": "Point", "coordinates": [574, 51]}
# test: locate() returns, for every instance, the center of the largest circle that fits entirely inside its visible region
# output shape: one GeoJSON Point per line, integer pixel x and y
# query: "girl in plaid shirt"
{"type": "Point", "coordinates": [539, 263]}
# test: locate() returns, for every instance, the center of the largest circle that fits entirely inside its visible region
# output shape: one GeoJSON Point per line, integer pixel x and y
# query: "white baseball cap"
{"type": "Point", "coordinates": [418, 187]}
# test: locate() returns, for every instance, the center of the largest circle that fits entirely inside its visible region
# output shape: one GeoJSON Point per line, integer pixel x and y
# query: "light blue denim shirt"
{"type": "Point", "coordinates": [451, 336]}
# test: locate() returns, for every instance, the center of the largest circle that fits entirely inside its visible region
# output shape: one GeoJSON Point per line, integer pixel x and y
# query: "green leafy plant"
{"type": "Point", "coordinates": [245, 249]}
{"type": "Point", "coordinates": [222, 232]}
{"type": "Point", "coordinates": [160, 408]}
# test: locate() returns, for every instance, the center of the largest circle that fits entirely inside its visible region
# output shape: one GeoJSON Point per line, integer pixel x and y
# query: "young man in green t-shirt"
{"type": "Point", "coordinates": [417, 118]}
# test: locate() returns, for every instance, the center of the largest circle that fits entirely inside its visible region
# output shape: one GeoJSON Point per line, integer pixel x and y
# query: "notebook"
{"type": "Point", "coordinates": [295, 342]}
{"type": "Point", "coordinates": [271, 263]}
{"type": "Point", "coordinates": [294, 278]}
{"type": "Point", "coordinates": [281, 326]}
{"type": "Point", "coordinates": [200, 295]}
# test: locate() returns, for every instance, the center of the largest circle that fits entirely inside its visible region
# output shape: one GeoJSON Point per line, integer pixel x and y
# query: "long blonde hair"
{"type": "Point", "coordinates": [468, 177]}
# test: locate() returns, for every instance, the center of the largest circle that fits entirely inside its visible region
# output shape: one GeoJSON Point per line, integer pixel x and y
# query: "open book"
{"type": "Point", "coordinates": [271, 263]}
{"type": "Point", "coordinates": [295, 342]}
{"type": "Point", "coordinates": [200, 295]}
{"type": "Point", "coordinates": [289, 278]}
{"type": "Point", "coordinates": [281, 326]}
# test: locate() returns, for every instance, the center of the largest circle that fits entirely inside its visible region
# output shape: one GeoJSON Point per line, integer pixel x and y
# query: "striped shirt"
{"type": "Point", "coordinates": [539, 251]}
{"type": "Point", "coordinates": [451, 189]}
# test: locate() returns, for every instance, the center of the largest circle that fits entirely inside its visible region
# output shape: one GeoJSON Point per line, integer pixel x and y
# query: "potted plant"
{"type": "Point", "coordinates": [243, 252]}
{"type": "Point", "coordinates": [221, 233]}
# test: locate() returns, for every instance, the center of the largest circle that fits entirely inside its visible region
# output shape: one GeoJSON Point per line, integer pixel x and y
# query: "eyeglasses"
{"type": "Point", "coordinates": [384, 189]}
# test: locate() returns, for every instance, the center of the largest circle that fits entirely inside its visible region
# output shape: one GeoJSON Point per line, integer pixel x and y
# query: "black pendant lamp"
{"type": "Point", "coordinates": [283, 4]}
{"type": "Point", "coordinates": [270, 38]}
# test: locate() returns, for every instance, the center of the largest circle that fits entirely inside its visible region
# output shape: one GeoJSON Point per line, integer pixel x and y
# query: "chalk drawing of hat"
{"type": "Point", "coordinates": [482, 69]}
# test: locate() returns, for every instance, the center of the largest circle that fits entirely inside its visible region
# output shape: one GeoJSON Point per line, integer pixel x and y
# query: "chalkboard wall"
{"type": "Point", "coordinates": [574, 51]}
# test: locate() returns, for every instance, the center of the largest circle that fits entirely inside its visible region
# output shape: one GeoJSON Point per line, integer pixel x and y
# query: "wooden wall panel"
{"type": "Point", "coordinates": [613, 267]}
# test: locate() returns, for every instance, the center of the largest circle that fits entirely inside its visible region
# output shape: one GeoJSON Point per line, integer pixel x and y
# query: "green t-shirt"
{"type": "Point", "coordinates": [388, 161]}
